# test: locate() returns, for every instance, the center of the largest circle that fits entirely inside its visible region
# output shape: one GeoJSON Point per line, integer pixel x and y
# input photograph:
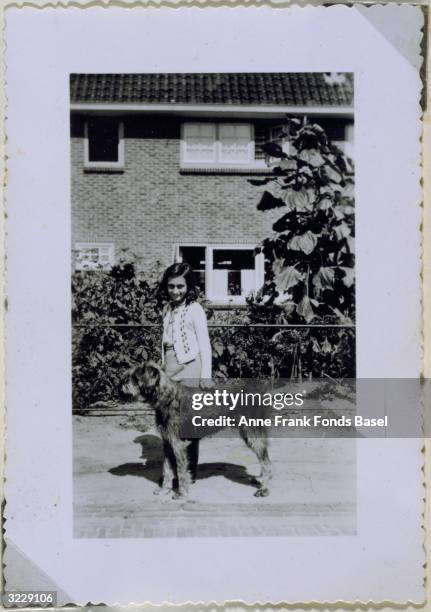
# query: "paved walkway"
{"type": "Point", "coordinates": [117, 469]}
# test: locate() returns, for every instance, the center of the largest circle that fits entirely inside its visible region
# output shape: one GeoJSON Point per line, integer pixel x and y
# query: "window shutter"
{"type": "Point", "coordinates": [199, 142]}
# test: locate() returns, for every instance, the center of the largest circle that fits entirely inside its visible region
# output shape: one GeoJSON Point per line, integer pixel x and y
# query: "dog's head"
{"type": "Point", "coordinates": [143, 382]}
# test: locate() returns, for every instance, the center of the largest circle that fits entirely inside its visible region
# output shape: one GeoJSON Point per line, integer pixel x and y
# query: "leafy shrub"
{"type": "Point", "coordinates": [250, 352]}
{"type": "Point", "coordinates": [117, 324]}
{"type": "Point", "coordinates": [309, 258]}
{"type": "Point", "coordinates": [309, 276]}
{"type": "Point", "coordinates": [100, 352]}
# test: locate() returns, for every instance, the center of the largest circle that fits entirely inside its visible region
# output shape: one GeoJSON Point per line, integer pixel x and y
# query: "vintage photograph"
{"type": "Point", "coordinates": [205, 203]}
{"type": "Point", "coordinates": [213, 229]}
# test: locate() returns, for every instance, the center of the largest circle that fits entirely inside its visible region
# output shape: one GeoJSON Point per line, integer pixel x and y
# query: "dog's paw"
{"type": "Point", "coordinates": [263, 492]}
{"type": "Point", "coordinates": [179, 496]}
{"type": "Point", "coordinates": [161, 491]}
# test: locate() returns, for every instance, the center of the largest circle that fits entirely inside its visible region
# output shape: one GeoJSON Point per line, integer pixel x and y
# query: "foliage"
{"type": "Point", "coordinates": [117, 296]}
{"type": "Point", "coordinates": [309, 275]}
{"type": "Point", "coordinates": [249, 352]}
{"type": "Point", "coordinates": [309, 259]}
{"type": "Point", "coordinates": [101, 351]}
{"type": "Point", "coordinates": [116, 318]}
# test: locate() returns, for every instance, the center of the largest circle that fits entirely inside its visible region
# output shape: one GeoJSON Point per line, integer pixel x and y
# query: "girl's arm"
{"type": "Point", "coordinates": [201, 328]}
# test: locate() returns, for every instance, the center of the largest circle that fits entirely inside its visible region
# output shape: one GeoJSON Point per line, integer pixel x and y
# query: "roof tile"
{"type": "Point", "coordinates": [269, 88]}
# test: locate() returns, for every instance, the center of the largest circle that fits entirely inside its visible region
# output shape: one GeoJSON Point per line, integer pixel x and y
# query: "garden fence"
{"type": "Point", "coordinates": [103, 351]}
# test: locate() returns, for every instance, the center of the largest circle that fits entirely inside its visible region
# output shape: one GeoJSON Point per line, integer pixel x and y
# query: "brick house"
{"type": "Point", "coordinates": [161, 162]}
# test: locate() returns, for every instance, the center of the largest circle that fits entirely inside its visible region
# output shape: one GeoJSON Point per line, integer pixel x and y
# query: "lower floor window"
{"type": "Point", "coordinates": [195, 257]}
{"type": "Point", "coordinates": [224, 273]}
{"type": "Point", "coordinates": [94, 256]}
{"type": "Point", "coordinates": [233, 272]}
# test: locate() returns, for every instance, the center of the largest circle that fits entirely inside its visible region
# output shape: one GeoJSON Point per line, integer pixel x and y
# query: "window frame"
{"type": "Point", "coordinates": [218, 163]}
{"type": "Point", "coordinates": [104, 165]}
{"type": "Point", "coordinates": [217, 300]}
{"type": "Point", "coordinates": [92, 245]}
{"type": "Point", "coordinates": [347, 144]}
{"type": "Point", "coordinates": [285, 142]}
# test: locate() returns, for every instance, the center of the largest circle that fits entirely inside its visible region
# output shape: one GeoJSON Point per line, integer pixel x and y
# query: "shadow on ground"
{"type": "Point", "coordinates": [152, 452]}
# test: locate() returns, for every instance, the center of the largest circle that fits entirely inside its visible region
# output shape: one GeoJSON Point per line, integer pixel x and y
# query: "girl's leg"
{"type": "Point", "coordinates": [193, 458]}
{"type": "Point", "coordinates": [167, 480]}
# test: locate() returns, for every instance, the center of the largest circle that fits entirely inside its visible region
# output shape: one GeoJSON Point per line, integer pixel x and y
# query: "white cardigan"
{"type": "Point", "coordinates": [190, 335]}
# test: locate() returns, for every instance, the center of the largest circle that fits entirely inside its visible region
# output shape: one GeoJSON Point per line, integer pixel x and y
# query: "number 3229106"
{"type": "Point", "coordinates": [17, 598]}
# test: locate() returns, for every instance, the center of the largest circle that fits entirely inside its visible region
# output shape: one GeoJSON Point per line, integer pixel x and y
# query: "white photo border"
{"type": "Point", "coordinates": [39, 464]}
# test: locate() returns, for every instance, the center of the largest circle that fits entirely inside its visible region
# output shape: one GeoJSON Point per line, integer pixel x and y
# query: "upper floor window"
{"type": "Point", "coordinates": [275, 133]}
{"type": "Point", "coordinates": [339, 132]}
{"type": "Point", "coordinates": [94, 256]}
{"type": "Point", "coordinates": [104, 143]}
{"type": "Point", "coordinates": [230, 145]}
{"type": "Point", "coordinates": [217, 144]}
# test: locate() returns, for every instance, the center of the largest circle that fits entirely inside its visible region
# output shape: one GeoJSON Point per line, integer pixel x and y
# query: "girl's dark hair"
{"type": "Point", "coordinates": [179, 269]}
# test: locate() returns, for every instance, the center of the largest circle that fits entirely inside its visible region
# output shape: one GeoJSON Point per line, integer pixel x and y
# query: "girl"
{"type": "Point", "coordinates": [186, 348]}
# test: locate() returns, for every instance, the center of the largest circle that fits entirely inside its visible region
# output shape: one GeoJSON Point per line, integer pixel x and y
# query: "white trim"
{"type": "Point", "coordinates": [105, 164]}
{"type": "Point", "coordinates": [214, 109]}
{"type": "Point", "coordinates": [257, 164]}
{"type": "Point", "coordinates": [349, 149]}
{"type": "Point", "coordinates": [208, 272]}
{"type": "Point", "coordinates": [209, 250]}
{"type": "Point", "coordinates": [260, 270]}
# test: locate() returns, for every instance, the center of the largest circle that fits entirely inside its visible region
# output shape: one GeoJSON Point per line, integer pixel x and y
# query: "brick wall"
{"type": "Point", "coordinates": [151, 206]}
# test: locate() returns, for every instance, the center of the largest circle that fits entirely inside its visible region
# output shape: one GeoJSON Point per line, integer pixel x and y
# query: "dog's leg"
{"type": "Point", "coordinates": [259, 445]}
{"type": "Point", "coordinates": [193, 458]}
{"type": "Point", "coordinates": [180, 451]}
{"type": "Point", "coordinates": [166, 484]}
{"type": "Point", "coordinates": [260, 448]}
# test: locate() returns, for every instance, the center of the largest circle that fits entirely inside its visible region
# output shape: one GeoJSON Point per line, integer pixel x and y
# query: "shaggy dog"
{"type": "Point", "coordinates": [151, 384]}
